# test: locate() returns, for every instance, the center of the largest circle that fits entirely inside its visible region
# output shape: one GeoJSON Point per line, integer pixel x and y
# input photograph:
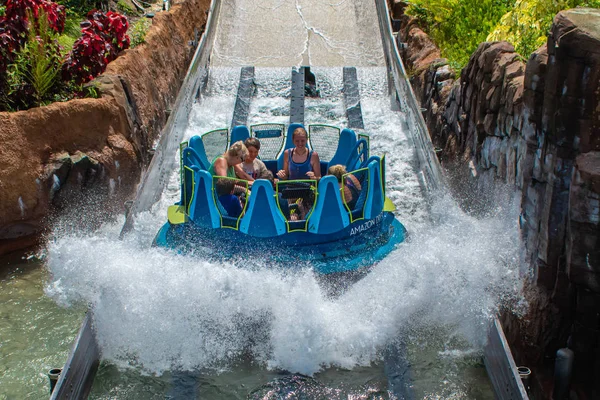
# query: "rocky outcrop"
{"type": "Point", "coordinates": [535, 126]}
{"type": "Point", "coordinates": [55, 154]}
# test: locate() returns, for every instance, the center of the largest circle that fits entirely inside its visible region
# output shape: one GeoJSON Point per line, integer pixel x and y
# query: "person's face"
{"type": "Point", "coordinates": [252, 154]}
{"type": "Point", "coordinates": [300, 141]}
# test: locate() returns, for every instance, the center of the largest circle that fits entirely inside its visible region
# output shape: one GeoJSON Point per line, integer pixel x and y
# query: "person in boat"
{"type": "Point", "coordinates": [228, 164]}
{"type": "Point", "coordinates": [252, 166]}
{"type": "Point", "coordinates": [300, 162]}
{"type": "Point", "coordinates": [230, 202]}
{"type": "Point", "coordinates": [302, 207]}
{"type": "Point", "coordinates": [351, 186]}
{"type": "Point", "coordinates": [283, 203]}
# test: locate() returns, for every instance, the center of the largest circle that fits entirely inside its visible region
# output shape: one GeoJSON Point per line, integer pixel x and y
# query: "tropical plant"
{"type": "Point", "coordinates": [527, 24]}
{"type": "Point", "coordinates": [138, 31]}
{"type": "Point", "coordinates": [103, 36]}
{"type": "Point", "coordinates": [458, 26]}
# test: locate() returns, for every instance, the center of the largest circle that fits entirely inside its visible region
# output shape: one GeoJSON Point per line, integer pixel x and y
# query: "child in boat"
{"type": "Point", "coordinates": [230, 202]}
{"type": "Point", "coordinates": [300, 162]}
{"type": "Point", "coordinates": [283, 203]}
{"type": "Point", "coordinates": [228, 163]}
{"type": "Point", "coordinates": [252, 166]}
{"type": "Point", "coordinates": [303, 207]}
{"type": "Point", "coordinates": [352, 186]}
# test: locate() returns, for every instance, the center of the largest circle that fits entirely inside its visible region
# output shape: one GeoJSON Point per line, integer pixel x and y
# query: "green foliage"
{"type": "Point", "coordinates": [125, 8]}
{"type": "Point", "coordinates": [138, 31]}
{"type": "Point", "coordinates": [33, 77]}
{"type": "Point", "coordinates": [71, 33]}
{"type": "Point", "coordinates": [2, 10]}
{"type": "Point", "coordinates": [458, 26]}
{"type": "Point", "coordinates": [527, 24]}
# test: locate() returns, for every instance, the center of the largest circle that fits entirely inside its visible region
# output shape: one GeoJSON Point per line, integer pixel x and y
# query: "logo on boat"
{"type": "Point", "coordinates": [366, 225]}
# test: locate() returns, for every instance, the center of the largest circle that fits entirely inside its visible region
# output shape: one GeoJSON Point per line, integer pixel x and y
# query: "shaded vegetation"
{"type": "Point", "coordinates": [459, 26]}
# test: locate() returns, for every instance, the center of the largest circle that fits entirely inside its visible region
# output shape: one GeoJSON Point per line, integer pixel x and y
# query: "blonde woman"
{"type": "Point", "coordinates": [228, 163]}
{"type": "Point", "coordinates": [352, 186]}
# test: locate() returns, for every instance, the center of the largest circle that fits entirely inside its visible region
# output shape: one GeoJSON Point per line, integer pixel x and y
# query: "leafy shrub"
{"type": "Point", "coordinates": [33, 68]}
{"type": "Point", "coordinates": [138, 31]}
{"type": "Point", "coordinates": [34, 72]}
{"type": "Point", "coordinates": [103, 37]}
{"type": "Point", "coordinates": [527, 24]}
{"type": "Point", "coordinates": [125, 8]}
{"type": "Point", "coordinates": [14, 24]}
{"type": "Point", "coordinates": [458, 26]}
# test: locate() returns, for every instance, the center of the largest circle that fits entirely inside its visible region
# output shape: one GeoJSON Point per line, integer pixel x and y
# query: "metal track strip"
{"type": "Point", "coordinates": [352, 99]}
{"type": "Point", "coordinates": [244, 97]}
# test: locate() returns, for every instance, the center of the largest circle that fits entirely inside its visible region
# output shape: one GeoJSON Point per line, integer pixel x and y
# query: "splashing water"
{"type": "Point", "coordinates": [163, 311]}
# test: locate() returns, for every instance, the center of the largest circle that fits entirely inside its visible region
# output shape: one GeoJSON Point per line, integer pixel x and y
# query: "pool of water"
{"type": "Point", "coordinates": [35, 333]}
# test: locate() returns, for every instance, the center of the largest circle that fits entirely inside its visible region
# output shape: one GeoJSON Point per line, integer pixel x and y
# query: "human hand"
{"type": "Point", "coordinates": [281, 174]}
{"type": "Point", "coordinates": [310, 174]}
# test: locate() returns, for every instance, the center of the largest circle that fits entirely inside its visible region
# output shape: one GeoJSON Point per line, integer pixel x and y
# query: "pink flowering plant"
{"type": "Point", "coordinates": [35, 70]}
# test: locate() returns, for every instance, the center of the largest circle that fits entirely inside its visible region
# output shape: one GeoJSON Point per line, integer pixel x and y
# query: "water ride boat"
{"type": "Point", "coordinates": [289, 222]}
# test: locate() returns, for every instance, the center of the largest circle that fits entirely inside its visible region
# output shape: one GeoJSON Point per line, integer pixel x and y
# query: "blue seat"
{"type": "Point", "coordinates": [238, 133]}
{"type": "Point", "coordinates": [329, 214]}
{"type": "Point", "coordinates": [289, 143]}
{"type": "Point", "coordinates": [263, 218]}
{"type": "Point", "coordinates": [346, 144]}
{"type": "Point", "coordinates": [202, 209]}
{"type": "Point", "coordinates": [359, 152]}
{"type": "Point", "coordinates": [375, 197]}
{"type": "Point", "coordinates": [197, 144]}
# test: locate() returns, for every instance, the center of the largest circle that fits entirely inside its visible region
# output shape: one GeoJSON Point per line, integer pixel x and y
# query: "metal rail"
{"type": "Point", "coordinates": [164, 160]}
{"type": "Point", "coordinates": [501, 367]}
{"type": "Point", "coordinates": [400, 88]}
{"type": "Point", "coordinates": [76, 378]}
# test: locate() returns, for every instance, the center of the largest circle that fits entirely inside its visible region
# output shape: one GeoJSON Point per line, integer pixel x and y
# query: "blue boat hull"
{"type": "Point", "coordinates": [360, 244]}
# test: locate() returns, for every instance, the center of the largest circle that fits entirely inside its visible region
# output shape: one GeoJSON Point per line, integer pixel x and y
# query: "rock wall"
{"type": "Point", "coordinates": [534, 126]}
{"type": "Point", "coordinates": [93, 150]}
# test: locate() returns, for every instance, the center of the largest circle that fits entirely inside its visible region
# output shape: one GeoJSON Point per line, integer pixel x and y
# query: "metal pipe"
{"type": "Point", "coordinates": [53, 375]}
{"type": "Point", "coordinates": [563, 369]}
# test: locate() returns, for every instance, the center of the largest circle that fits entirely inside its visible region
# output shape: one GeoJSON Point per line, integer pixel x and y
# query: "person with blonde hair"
{"type": "Point", "coordinates": [228, 163]}
{"type": "Point", "coordinates": [300, 162]}
{"type": "Point", "coordinates": [351, 186]}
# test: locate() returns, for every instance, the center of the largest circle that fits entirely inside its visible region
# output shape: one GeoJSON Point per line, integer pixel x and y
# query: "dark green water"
{"type": "Point", "coordinates": [35, 333]}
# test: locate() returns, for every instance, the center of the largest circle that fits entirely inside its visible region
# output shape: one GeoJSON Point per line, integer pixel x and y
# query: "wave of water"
{"type": "Point", "coordinates": [162, 311]}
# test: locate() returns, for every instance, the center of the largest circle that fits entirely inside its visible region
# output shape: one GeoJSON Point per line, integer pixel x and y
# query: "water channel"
{"type": "Point", "coordinates": [173, 326]}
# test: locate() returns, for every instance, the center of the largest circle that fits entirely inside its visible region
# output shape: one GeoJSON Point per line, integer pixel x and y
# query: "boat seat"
{"type": "Point", "coordinates": [238, 133]}
{"type": "Point", "coordinates": [375, 198]}
{"type": "Point", "coordinates": [361, 149]}
{"type": "Point", "coordinates": [202, 209]}
{"type": "Point", "coordinates": [263, 217]}
{"type": "Point", "coordinates": [197, 144]}
{"type": "Point", "coordinates": [329, 214]}
{"type": "Point", "coordinates": [289, 143]}
{"type": "Point", "coordinates": [346, 144]}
